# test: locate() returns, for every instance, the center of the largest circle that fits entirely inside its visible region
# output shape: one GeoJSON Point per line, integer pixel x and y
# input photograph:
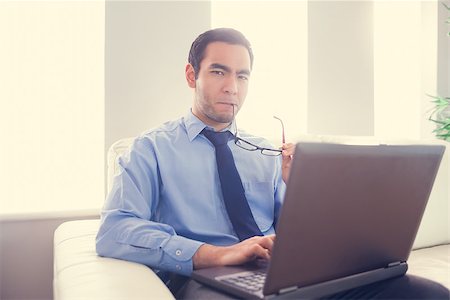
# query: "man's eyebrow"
{"type": "Point", "coordinates": [219, 66]}
{"type": "Point", "coordinates": [244, 72]}
{"type": "Point", "coordinates": [227, 69]}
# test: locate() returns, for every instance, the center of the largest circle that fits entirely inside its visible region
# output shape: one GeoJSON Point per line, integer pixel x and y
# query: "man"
{"type": "Point", "coordinates": [166, 206]}
{"type": "Point", "coordinates": [172, 206]}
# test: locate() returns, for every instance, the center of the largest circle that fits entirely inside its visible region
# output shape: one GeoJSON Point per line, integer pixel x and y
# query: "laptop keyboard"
{"type": "Point", "coordinates": [252, 281]}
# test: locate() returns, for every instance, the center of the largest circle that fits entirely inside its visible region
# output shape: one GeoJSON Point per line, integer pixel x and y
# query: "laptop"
{"type": "Point", "coordinates": [349, 218]}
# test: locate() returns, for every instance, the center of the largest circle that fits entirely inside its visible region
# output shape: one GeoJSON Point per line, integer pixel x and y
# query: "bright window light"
{"type": "Point", "coordinates": [397, 69]}
{"type": "Point", "coordinates": [52, 115]}
{"type": "Point", "coordinates": [277, 31]}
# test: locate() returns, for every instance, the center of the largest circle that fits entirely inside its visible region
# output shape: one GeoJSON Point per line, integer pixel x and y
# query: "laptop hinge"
{"type": "Point", "coordinates": [394, 264]}
{"type": "Point", "coordinates": [287, 290]}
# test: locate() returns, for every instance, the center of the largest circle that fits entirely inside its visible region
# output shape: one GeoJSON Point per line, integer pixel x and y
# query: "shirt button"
{"type": "Point", "coordinates": [178, 267]}
{"type": "Point", "coordinates": [178, 252]}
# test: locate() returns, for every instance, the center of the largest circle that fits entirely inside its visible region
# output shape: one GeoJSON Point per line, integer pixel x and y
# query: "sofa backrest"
{"type": "Point", "coordinates": [115, 151]}
{"type": "Point", "coordinates": [435, 226]}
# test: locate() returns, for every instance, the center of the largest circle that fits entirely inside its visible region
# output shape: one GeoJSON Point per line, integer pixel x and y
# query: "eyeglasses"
{"type": "Point", "coordinates": [246, 145]}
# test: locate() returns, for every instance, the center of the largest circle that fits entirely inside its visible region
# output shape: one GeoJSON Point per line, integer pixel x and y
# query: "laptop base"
{"type": "Point", "coordinates": [309, 292]}
{"type": "Point", "coordinates": [343, 284]}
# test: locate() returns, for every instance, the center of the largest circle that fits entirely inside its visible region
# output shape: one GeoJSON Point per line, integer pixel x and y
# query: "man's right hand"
{"type": "Point", "coordinates": [237, 254]}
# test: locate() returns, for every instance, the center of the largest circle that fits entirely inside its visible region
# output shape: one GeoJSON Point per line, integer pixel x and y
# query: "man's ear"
{"type": "Point", "coordinates": [190, 75]}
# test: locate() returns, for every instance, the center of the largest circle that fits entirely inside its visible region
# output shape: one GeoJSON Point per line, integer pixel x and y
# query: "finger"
{"type": "Point", "coordinates": [287, 153]}
{"type": "Point", "coordinates": [267, 243]}
{"type": "Point", "coordinates": [271, 236]}
{"type": "Point", "coordinates": [286, 156]}
{"type": "Point", "coordinates": [288, 149]}
{"type": "Point", "coordinates": [288, 146]}
{"type": "Point", "coordinates": [260, 246]}
{"type": "Point", "coordinates": [261, 252]}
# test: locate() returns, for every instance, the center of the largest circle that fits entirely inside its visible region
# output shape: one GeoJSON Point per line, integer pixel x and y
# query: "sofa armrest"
{"type": "Point", "coordinates": [432, 263]}
{"type": "Point", "coordinates": [79, 273]}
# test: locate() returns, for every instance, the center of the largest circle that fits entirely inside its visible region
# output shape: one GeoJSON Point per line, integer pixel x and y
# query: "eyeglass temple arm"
{"type": "Point", "coordinates": [282, 127]}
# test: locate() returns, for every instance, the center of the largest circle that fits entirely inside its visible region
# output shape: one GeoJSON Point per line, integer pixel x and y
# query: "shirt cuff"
{"type": "Point", "coordinates": [178, 253]}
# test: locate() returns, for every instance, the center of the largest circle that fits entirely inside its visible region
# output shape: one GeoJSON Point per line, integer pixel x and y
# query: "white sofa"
{"type": "Point", "coordinates": [80, 274]}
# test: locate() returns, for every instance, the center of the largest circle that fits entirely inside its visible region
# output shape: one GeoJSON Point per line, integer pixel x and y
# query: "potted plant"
{"type": "Point", "coordinates": [441, 116]}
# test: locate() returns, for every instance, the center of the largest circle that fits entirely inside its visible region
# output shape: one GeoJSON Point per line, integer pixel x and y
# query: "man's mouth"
{"type": "Point", "coordinates": [227, 103]}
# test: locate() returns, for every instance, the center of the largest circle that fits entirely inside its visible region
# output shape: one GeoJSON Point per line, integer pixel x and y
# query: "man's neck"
{"type": "Point", "coordinates": [216, 125]}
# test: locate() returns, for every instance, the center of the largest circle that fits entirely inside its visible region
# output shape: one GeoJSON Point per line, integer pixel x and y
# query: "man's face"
{"type": "Point", "coordinates": [221, 86]}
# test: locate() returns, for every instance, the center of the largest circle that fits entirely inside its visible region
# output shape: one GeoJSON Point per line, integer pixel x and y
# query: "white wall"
{"type": "Point", "coordinates": [147, 45]}
{"type": "Point", "coordinates": [340, 68]}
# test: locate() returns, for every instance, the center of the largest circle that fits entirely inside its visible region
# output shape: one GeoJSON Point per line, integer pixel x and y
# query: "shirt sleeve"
{"type": "Point", "coordinates": [127, 230]}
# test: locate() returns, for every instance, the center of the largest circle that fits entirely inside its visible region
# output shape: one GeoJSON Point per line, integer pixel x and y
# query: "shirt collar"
{"type": "Point", "coordinates": [194, 126]}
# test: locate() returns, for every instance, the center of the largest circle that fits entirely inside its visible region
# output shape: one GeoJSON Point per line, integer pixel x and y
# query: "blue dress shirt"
{"type": "Point", "coordinates": [166, 200]}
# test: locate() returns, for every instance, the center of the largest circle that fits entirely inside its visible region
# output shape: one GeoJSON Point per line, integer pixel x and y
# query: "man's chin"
{"type": "Point", "coordinates": [224, 119]}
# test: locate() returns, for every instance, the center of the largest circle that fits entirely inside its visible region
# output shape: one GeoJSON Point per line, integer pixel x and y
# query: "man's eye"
{"type": "Point", "coordinates": [243, 77]}
{"type": "Point", "coordinates": [217, 72]}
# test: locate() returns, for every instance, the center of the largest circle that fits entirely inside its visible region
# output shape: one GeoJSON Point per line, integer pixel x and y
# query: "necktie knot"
{"type": "Point", "coordinates": [217, 138]}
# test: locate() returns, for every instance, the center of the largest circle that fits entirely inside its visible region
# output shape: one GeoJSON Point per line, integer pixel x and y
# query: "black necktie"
{"type": "Point", "coordinates": [232, 190]}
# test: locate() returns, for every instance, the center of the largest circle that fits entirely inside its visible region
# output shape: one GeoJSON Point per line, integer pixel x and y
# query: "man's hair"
{"type": "Point", "coordinates": [226, 35]}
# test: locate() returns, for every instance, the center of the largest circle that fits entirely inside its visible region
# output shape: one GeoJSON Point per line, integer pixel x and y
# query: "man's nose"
{"type": "Point", "coordinates": [230, 86]}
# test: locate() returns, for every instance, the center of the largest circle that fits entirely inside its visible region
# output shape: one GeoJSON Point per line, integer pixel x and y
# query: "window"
{"type": "Point", "coordinates": [52, 116]}
{"type": "Point", "coordinates": [278, 84]}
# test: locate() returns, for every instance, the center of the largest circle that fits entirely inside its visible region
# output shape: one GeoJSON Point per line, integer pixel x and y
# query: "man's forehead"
{"type": "Point", "coordinates": [230, 55]}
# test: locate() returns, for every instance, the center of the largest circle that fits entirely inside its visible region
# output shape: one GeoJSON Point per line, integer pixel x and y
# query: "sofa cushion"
{"type": "Point", "coordinates": [79, 273]}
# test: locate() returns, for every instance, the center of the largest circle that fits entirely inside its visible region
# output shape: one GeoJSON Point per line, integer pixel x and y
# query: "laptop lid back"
{"type": "Point", "coordinates": [349, 209]}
